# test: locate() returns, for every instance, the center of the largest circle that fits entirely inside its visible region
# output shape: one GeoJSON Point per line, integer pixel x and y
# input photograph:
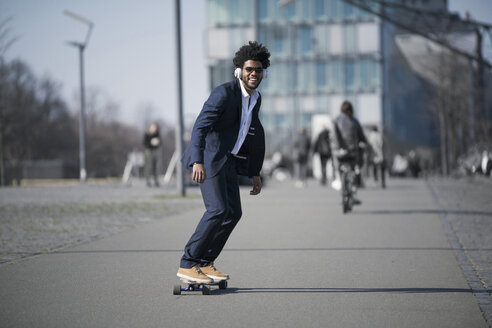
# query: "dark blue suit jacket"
{"type": "Point", "coordinates": [216, 130]}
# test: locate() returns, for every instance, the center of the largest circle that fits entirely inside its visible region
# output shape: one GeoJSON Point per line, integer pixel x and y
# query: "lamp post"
{"type": "Point", "coordinates": [81, 46]}
{"type": "Point", "coordinates": [179, 127]}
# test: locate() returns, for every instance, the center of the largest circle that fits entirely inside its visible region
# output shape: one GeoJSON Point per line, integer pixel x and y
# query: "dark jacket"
{"type": "Point", "coordinates": [346, 132]}
{"type": "Point", "coordinates": [216, 130]}
{"type": "Point", "coordinates": [301, 148]}
{"type": "Point", "coordinates": [322, 146]}
{"type": "Point", "coordinates": [148, 137]}
{"type": "Point", "coordinates": [349, 135]}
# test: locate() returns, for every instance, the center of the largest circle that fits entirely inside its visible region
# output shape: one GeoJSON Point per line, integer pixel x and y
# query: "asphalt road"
{"type": "Point", "coordinates": [294, 259]}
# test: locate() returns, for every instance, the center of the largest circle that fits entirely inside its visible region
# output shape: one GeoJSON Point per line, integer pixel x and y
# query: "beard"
{"type": "Point", "coordinates": [251, 85]}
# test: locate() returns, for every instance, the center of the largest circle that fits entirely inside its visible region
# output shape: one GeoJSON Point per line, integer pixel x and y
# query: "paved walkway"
{"type": "Point", "coordinates": [295, 261]}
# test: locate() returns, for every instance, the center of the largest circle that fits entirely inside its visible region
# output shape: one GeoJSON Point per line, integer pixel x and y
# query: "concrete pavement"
{"type": "Point", "coordinates": [294, 259]}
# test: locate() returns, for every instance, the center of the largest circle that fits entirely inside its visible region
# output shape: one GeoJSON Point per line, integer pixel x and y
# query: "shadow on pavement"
{"type": "Point", "coordinates": [349, 290]}
{"type": "Point", "coordinates": [246, 250]}
{"type": "Point", "coordinates": [422, 211]}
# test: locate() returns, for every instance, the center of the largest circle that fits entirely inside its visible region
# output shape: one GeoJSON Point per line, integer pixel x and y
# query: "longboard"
{"type": "Point", "coordinates": [193, 286]}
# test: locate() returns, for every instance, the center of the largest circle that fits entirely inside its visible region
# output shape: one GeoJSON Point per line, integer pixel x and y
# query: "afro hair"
{"type": "Point", "coordinates": [252, 51]}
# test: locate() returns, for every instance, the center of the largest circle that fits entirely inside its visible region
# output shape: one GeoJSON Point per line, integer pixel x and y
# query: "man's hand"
{"type": "Point", "coordinates": [198, 173]}
{"type": "Point", "coordinates": [256, 186]}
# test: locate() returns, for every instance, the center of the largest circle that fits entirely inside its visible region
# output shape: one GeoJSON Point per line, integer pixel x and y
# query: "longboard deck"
{"type": "Point", "coordinates": [193, 286]}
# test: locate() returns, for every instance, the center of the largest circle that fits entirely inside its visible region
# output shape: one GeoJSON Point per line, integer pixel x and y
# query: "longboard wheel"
{"type": "Point", "coordinates": [223, 284]}
{"type": "Point", "coordinates": [205, 290]}
{"type": "Point", "coordinates": [177, 290]}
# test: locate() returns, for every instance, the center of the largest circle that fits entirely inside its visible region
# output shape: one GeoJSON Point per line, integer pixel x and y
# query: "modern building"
{"type": "Point", "coordinates": [325, 52]}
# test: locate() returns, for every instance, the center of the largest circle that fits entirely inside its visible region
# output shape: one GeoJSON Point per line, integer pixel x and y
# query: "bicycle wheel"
{"type": "Point", "coordinates": [345, 192]}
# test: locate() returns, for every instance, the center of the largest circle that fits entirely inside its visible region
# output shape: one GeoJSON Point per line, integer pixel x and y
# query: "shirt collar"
{"type": "Point", "coordinates": [245, 93]}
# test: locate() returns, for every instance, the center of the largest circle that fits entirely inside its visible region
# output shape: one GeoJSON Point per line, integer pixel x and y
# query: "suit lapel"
{"type": "Point", "coordinates": [238, 98]}
{"type": "Point", "coordinates": [256, 109]}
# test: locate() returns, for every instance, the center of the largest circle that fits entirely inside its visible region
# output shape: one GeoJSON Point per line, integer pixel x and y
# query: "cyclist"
{"type": "Point", "coordinates": [349, 143]}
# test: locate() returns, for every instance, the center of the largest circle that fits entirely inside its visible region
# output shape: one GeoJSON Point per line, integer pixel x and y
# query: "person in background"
{"type": "Point", "coordinates": [322, 146]}
{"type": "Point", "coordinates": [152, 142]}
{"type": "Point", "coordinates": [349, 140]}
{"type": "Point", "coordinates": [376, 154]}
{"type": "Point", "coordinates": [414, 163]}
{"type": "Point", "coordinates": [302, 146]}
{"type": "Point", "coordinates": [486, 163]}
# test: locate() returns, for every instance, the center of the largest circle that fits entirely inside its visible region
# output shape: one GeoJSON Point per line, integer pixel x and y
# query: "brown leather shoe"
{"type": "Point", "coordinates": [212, 272]}
{"type": "Point", "coordinates": [194, 275]}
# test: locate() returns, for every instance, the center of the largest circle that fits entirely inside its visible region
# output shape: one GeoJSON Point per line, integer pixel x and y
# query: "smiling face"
{"type": "Point", "coordinates": [252, 75]}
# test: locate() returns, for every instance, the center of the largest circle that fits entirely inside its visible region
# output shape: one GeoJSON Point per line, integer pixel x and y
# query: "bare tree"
{"type": "Point", "coordinates": [6, 40]}
{"type": "Point", "coordinates": [36, 123]}
{"type": "Point", "coordinates": [451, 105]}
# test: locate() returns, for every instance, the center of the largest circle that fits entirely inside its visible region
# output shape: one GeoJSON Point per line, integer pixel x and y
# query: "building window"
{"type": "Point", "coordinates": [369, 74]}
{"type": "Point", "coordinates": [263, 10]}
{"type": "Point", "coordinates": [321, 76]}
{"type": "Point", "coordinates": [281, 42]}
{"type": "Point", "coordinates": [307, 13]}
{"type": "Point", "coordinates": [306, 120]}
{"type": "Point", "coordinates": [278, 79]}
{"type": "Point", "coordinates": [290, 11]}
{"type": "Point", "coordinates": [280, 121]}
{"type": "Point", "coordinates": [349, 12]}
{"type": "Point", "coordinates": [349, 39]}
{"type": "Point", "coordinates": [236, 16]}
{"type": "Point", "coordinates": [334, 76]}
{"type": "Point", "coordinates": [365, 15]}
{"type": "Point", "coordinates": [276, 39]}
{"type": "Point", "coordinates": [242, 12]}
{"type": "Point", "coordinates": [334, 11]}
{"type": "Point", "coordinates": [218, 12]}
{"type": "Point", "coordinates": [223, 12]}
{"type": "Point", "coordinates": [320, 9]}
{"type": "Point", "coordinates": [305, 77]}
{"type": "Point", "coordinates": [321, 40]}
{"type": "Point", "coordinates": [349, 76]}
{"type": "Point", "coordinates": [236, 39]}
{"type": "Point", "coordinates": [220, 73]}
{"type": "Point", "coordinates": [305, 40]}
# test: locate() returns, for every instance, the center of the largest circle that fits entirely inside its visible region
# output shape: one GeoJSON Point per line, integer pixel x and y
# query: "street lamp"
{"type": "Point", "coordinates": [179, 128]}
{"type": "Point", "coordinates": [81, 46]}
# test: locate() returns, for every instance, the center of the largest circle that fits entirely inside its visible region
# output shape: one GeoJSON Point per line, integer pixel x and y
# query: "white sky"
{"type": "Point", "coordinates": [131, 53]}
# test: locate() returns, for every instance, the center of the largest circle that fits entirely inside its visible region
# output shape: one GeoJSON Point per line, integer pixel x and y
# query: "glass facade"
{"type": "Point", "coordinates": [229, 12]}
{"type": "Point", "coordinates": [315, 51]}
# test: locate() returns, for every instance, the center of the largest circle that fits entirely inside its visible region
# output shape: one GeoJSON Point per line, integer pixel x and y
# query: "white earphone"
{"type": "Point", "coordinates": [238, 73]}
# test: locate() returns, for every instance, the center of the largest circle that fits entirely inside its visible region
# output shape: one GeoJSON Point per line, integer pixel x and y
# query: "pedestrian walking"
{"type": "Point", "coordinates": [322, 146]}
{"type": "Point", "coordinates": [376, 157]}
{"type": "Point", "coordinates": [152, 143]}
{"type": "Point", "coordinates": [227, 140]}
{"type": "Point", "coordinates": [302, 146]}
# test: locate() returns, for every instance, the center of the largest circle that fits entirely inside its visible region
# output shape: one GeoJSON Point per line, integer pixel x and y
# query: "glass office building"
{"type": "Point", "coordinates": [323, 52]}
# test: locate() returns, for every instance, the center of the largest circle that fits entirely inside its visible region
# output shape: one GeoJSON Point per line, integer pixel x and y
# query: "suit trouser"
{"type": "Point", "coordinates": [223, 210]}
